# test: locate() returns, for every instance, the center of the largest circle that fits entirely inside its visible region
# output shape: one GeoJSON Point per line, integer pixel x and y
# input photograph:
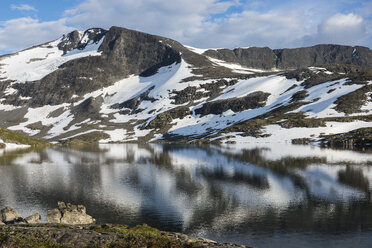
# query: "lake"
{"type": "Point", "coordinates": [261, 195]}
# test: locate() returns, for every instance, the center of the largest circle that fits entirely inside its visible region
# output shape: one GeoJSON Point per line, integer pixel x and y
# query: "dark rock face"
{"type": "Point", "coordinates": [265, 58]}
{"type": "Point", "coordinates": [164, 119]}
{"type": "Point", "coordinates": [69, 41]}
{"type": "Point", "coordinates": [253, 57]}
{"type": "Point", "coordinates": [191, 94]}
{"type": "Point", "coordinates": [89, 106]}
{"type": "Point", "coordinates": [253, 100]}
{"type": "Point", "coordinates": [134, 102]}
{"type": "Point", "coordinates": [323, 54]}
{"type": "Point", "coordinates": [352, 102]}
{"type": "Point", "coordinates": [299, 95]}
{"type": "Point", "coordinates": [354, 139]}
{"type": "Point", "coordinates": [122, 45]}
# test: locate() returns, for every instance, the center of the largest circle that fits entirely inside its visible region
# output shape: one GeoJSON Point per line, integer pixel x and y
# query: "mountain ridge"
{"type": "Point", "coordinates": [126, 85]}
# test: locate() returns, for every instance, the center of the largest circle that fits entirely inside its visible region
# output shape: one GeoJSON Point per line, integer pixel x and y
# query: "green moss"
{"type": "Point", "coordinates": [141, 236]}
{"type": "Point", "coordinates": [14, 137]}
{"type": "Point", "coordinates": [28, 241]}
{"type": "Point", "coordinates": [86, 139]}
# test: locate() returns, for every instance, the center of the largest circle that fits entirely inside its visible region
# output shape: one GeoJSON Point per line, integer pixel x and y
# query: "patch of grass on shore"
{"type": "Point", "coordinates": [9, 136]}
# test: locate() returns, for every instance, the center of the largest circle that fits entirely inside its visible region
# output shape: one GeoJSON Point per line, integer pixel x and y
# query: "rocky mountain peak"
{"type": "Point", "coordinates": [124, 84]}
{"type": "Point", "coordinates": [79, 40]}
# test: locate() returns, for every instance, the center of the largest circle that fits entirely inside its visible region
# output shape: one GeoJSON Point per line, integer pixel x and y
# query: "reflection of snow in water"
{"type": "Point", "coordinates": [181, 183]}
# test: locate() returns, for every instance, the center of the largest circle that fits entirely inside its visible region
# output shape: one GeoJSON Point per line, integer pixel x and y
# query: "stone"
{"type": "Point", "coordinates": [54, 216]}
{"type": "Point", "coordinates": [33, 219]}
{"type": "Point", "coordinates": [82, 209]}
{"type": "Point", "coordinates": [61, 205]}
{"type": "Point", "coordinates": [76, 218]}
{"type": "Point", "coordinates": [10, 215]}
{"type": "Point", "coordinates": [1, 223]}
{"type": "Point", "coordinates": [70, 214]}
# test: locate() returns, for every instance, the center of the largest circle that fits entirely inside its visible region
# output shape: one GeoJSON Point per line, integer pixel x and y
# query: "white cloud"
{"type": "Point", "coordinates": [25, 32]}
{"type": "Point", "coordinates": [252, 28]}
{"type": "Point", "coordinates": [22, 7]}
{"type": "Point", "coordinates": [343, 29]}
{"type": "Point", "coordinates": [194, 22]}
{"type": "Point", "coordinates": [178, 19]}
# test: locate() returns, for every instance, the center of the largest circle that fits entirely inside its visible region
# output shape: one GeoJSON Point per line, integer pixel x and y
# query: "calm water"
{"type": "Point", "coordinates": [271, 195]}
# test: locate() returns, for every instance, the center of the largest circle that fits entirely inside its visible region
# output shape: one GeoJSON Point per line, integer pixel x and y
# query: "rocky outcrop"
{"type": "Point", "coordinates": [266, 58]}
{"type": "Point", "coordinates": [351, 103]}
{"type": "Point", "coordinates": [164, 119]}
{"type": "Point", "coordinates": [299, 95]}
{"type": "Point", "coordinates": [33, 219]}
{"type": "Point", "coordinates": [323, 54]}
{"type": "Point", "coordinates": [75, 40]}
{"type": "Point", "coordinates": [209, 90]}
{"type": "Point", "coordinates": [69, 214]}
{"type": "Point", "coordinates": [252, 57]}
{"type": "Point", "coordinates": [359, 138]}
{"type": "Point", "coordinates": [9, 215]}
{"type": "Point", "coordinates": [253, 100]}
{"type": "Point", "coordinates": [134, 102]}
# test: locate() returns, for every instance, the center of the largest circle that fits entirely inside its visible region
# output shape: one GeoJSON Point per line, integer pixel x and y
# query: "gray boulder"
{"type": "Point", "coordinates": [70, 214]}
{"type": "Point", "coordinates": [9, 215]}
{"type": "Point", "coordinates": [33, 219]}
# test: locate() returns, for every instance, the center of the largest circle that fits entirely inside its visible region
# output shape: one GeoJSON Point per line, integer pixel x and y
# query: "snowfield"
{"type": "Point", "coordinates": [126, 124]}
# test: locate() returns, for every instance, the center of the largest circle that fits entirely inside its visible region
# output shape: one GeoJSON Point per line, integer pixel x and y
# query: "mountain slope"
{"type": "Point", "coordinates": [123, 85]}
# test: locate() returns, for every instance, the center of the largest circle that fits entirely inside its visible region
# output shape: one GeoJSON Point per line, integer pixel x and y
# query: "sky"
{"type": "Point", "coordinates": [198, 23]}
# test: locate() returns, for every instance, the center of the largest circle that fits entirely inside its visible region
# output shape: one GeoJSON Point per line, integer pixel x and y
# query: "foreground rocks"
{"type": "Point", "coordinates": [49, 235]}
{"type": "Point", "coordinates": [10, 215]}
{"type": "Point", "coordinates": [68, 227]}
{"type": "Point", "coordinates": [69, 214]}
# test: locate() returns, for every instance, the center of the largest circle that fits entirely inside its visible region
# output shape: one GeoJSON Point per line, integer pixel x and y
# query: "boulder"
{"type": "Point", "coordinates": [33, 219]}
{"type": "Point", "coordinates": [10, 215]}
{"type": "Point", "coordinates": [70, 214]}
{"type": "Point", "coordinates": [54, 216]}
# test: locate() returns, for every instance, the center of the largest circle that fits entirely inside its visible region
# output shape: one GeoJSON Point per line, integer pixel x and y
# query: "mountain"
{"type": "Point", "coordinates": [121, 85]}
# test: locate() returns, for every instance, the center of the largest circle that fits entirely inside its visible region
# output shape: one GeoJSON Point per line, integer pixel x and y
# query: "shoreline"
{"type": "Point", "coordinates": [104, 235]}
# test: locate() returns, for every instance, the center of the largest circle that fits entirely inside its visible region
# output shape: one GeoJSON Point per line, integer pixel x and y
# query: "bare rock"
{"type": "Point", "coordinates": [54, 216]}
{"type": "Point", "coordinates": [10, 215]}
{"type": "Point", "coordinates": [33, 219]}
{"type": "Point", "coordinates": [70, 214]}
{"type": "Point", "coordinates": [77, 218]}
{"type": "Point", "coordinates": [61, 205]}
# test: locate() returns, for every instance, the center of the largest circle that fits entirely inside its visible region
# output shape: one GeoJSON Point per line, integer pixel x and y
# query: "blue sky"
{"type": "Point", "coordinates": [200, 23]}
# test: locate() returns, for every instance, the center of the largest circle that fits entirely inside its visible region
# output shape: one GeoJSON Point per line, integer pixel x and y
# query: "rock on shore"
{"type": "Point", "coordinates": [70, 215]}
{"type": "Point", "coordinates": [70, 226]}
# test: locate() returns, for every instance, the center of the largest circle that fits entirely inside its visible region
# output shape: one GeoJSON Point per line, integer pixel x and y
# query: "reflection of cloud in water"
{"type": "Point", "coordinates": [323, 183]}
{"type": "Point", "coordinates": [276, 151]}
{"type": "Point", "coordinates": [199, 188]}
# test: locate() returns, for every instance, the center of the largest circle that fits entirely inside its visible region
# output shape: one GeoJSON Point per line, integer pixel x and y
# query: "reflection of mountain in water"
{"type": "Point", "coordinates": [207, 190]}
